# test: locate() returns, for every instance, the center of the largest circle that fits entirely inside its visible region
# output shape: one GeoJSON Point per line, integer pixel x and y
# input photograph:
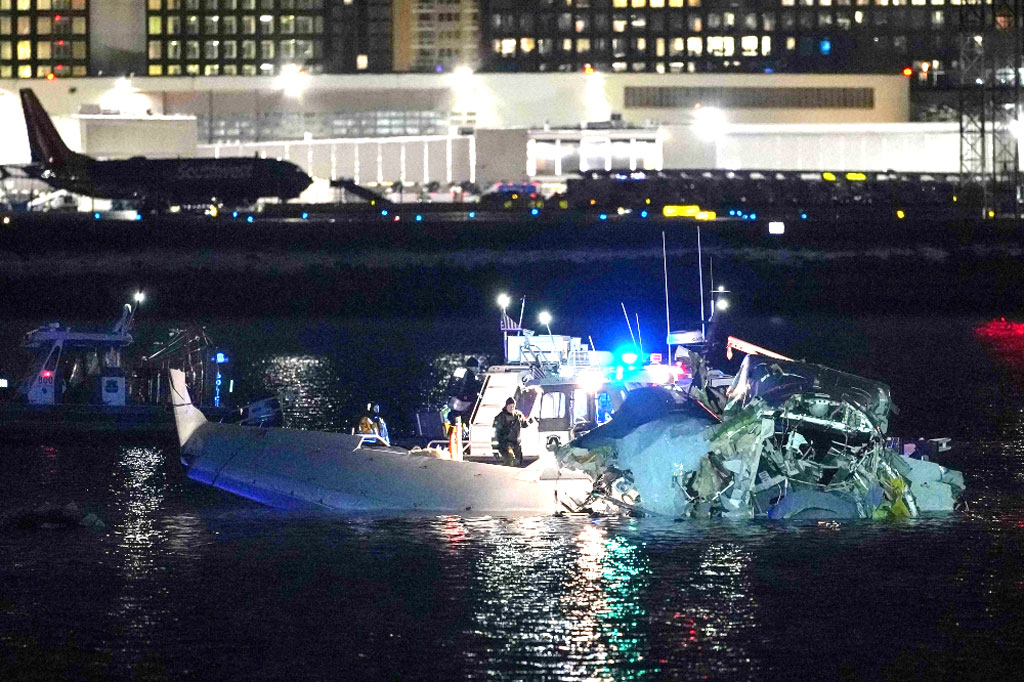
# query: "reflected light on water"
{"type": "Point", "coordinates": [139, 488]}
{"type": "Point", "coordinates": [314, 392]}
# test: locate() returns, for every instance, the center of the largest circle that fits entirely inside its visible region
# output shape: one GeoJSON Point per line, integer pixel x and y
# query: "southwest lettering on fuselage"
{"type": "Point", "coordinates": [186, 181]}
{"type": "Point", "coordinates": [211, 171]}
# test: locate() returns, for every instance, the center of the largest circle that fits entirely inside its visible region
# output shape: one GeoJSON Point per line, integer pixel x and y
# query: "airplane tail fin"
{"type": "Point", "coordinates": [187, 417]}
{"type": "Point", "coordinates": [46, 145]}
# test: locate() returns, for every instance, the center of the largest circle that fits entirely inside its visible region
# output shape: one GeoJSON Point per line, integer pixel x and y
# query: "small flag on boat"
{"type": "Point", "coordinates": [508, 324]}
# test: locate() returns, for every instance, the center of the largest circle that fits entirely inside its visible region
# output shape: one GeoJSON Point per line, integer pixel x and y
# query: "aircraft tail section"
{"type": "Point", "coordinates": [187, 417]}
{"type": "Point", "coordinates": [46, 145]}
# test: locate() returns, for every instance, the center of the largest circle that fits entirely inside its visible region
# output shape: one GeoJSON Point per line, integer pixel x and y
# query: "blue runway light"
{"type": "Point", "coordinates": [96, 216]}
{"type": "Point", "coordinates": [643, 214]}
{"type": "Point", "coordinates": [534, 211]}
{"type": "Point", "coordinates": [603, 216]}
{"type": "Point", "coordinates": [304, 215]}
{"type": "Point", "coordinates": [138, 216]}
{"type": "Point", "coordinates": [803, 216]}
{"type": "Point", "coordinates": [234, 214]}
{"type": "Point", "coordinates": [419, 218]}
{"type": "Point", "coordinates": [825, 46]}
{"type": "Point", "coordinates": [753, 216]}
{"type": "Point", "coordinates": [250, 219]}
{"type": "Point", "coordinates": [472, 214]}
{"type": "Point", "coordinates": [732, 211]}
{"type": "Point", "coordinates": [384, 212]}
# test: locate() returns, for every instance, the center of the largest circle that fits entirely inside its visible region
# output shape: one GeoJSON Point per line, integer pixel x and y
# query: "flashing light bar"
{"type": "Point", "coordinates": [46, 374]}
{"type": "Point", "coordinates": [750, 349]}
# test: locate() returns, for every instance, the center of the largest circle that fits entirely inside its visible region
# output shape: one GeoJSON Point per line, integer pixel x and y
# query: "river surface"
{"type": "Point", "coordinates": [190, 583]}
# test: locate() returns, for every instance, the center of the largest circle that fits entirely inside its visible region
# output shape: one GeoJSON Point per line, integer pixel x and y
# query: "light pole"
{"type": "Point", "coordinates": [545, 319]}
{"type": "Point", "coordinates": [503, 301]}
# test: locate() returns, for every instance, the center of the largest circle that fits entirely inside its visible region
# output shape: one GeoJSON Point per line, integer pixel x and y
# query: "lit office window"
{"type": "Point", "coordinates": [156, 69]}
{"type": "Point", "coordinates": [44, 26]}
{"type": "Point", "coordinates": [156, 25]}
{"type": "Point", "coordinates": [155, 51]}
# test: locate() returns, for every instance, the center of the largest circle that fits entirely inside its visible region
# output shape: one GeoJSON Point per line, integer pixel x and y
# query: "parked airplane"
{"type": "Point", "coordinates": [189, 181]}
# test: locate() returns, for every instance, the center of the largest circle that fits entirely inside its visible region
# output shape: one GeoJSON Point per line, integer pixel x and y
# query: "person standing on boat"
{"type": "Point", "coordinates": [507, 427]}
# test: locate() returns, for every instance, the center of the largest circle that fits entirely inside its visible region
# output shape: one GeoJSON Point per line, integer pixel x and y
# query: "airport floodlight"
{"type": "Point", "coordinates": [503, 301]}
{"type": "Point", "coordinates": [1016, 128]}
{"type": "Point", "coordinates": [709, 123]}
{"type": "Point", "coordinates": [293, 79]}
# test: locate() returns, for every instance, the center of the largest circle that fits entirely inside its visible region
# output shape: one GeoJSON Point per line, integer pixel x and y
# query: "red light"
{"type": "Point", "coordinates": [60, 42]}
{"type": "Point", "coordinates": [46, 374]}
{"type": "Point", "coordinates": [56, 17]}
{"type": "Point", "coordinates": [907, 71]}
{"type": "Point", "coordinates": [50, 76]}
{"type": "Point", "coordinates": [588, 69]}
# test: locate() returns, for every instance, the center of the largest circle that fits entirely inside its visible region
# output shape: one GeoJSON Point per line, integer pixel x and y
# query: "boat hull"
{"type": "Point", "coordinates": [288, 468]}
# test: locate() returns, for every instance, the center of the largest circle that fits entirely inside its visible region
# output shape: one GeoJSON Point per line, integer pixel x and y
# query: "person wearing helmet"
{"type": "Point", "coordinates": [507, 427]}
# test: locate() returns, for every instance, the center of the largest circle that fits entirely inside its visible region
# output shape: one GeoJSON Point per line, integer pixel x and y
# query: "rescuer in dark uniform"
{"type": "Point", "coordinates": [507, 426]}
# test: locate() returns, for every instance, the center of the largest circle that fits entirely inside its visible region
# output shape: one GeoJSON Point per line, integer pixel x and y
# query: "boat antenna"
{"type": "Point", "coordinates": [700, 282]}
{"type": "Point", "coordinates": [711, 276]}
{"type": "Point", "coordinates": [626, 315]}
{"type": "Point", "coordinates": [639, 336]}
{"type": "Point", "coordinates": [522, 308]}
{"type": "Point", "coordinates": [668, 325]}
{"type": "Point", "coordinates": [591, 339]}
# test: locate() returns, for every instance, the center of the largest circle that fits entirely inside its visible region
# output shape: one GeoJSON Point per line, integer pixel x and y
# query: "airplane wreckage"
{"type": "Point", "coordinates": [788, 440]}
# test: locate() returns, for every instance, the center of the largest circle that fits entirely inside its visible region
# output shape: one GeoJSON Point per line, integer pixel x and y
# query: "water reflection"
{"type": "Point", "coordinates": [314, 390]}
{"type": "Point", "coordinates": [139, 488]}
{"type": "Point", "coordinates": [554, 602]}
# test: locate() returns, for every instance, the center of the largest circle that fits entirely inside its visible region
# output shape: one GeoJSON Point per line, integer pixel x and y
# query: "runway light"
{"type": "Point", "coordinates": [685, 211]}
{"type": "Point", "coordinates": [96, 216]}
{"type": "Point", "coordinates": [534, 211]}
{"type": "Point", "coordinates": [384, 212]}
{"type": "Point", "coordinates": [472, 214]}
{"type": "Point", "coordinates": [603, 216]}
{"type": "Point", "coordinates": [753, 216]}
{"type": "Point", "coordinates": [234, 214]}
{"type": "Point", "coordinates": [3, 382]}
{"type": "Point", "coordinates": [776, 227]}
{"type": "Point", "coordinates": [304, 215]}
{"type": "Point", "coordinates": [419, 218]}
{"type": "Point", "coordinates": [803, 216]}
{"type": "Point", "coordinates": [900, 214]}
{"type": "Point", "coordinates": [643, 214]}
{"type": "Point", "coordinates": [250, 219]}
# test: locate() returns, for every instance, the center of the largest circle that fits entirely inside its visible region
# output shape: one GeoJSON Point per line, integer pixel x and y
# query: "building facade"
{"type": "Point", "coordinates": [701, 36]}
{"type": "Point", "coordinates": [436, 35]}
{"type": "Point", "coordinates": [44, 38]}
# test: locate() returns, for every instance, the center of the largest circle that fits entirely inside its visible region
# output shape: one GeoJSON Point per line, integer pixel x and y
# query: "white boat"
{"type": "Point", "coordinates": [289, 468]}
{"type": "Point", "coordinates": [84, 380]}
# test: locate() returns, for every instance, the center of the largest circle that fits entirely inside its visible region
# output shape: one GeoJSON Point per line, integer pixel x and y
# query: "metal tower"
{"type": "Point", "coordinates": [991, 41]}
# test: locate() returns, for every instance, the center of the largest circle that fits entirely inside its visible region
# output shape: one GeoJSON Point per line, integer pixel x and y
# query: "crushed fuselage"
{"type": "Point", "coordinates": [794, 440]}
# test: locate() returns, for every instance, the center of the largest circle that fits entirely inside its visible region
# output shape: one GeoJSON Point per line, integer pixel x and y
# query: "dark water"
{"type": "Point", "coordinates": [189, 583]}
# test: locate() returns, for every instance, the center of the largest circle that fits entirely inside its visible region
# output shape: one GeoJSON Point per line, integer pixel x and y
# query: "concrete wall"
{"type": "Point", "coordinates": [910, 147]}
{"type": "Point", "coordinates": [117, 37]}
{"type": "Point", "coordinates": [501, 156]}
{"type": "Point", "coordinates": [119, 137]}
